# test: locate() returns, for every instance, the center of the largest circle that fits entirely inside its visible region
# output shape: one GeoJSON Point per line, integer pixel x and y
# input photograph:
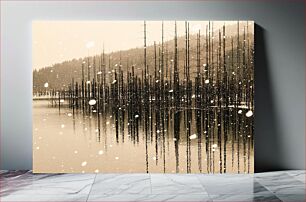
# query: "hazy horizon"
{"type": "Point", "coordinates": [58, 41]}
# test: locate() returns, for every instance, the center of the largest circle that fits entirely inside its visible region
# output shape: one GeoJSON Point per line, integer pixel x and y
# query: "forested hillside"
{"type": "Point", "coordinates": [60, 75]}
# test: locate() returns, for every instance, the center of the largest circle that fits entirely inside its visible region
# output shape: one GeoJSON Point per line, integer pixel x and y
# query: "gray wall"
{"type": "Point", "coordinates": [280, 62]}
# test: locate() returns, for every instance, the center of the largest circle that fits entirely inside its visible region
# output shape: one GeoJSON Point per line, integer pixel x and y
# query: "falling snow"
{"type": "Point", "coordinates": [90, 44]}
{"type": "Point", "coordinates": [249, 113]}
{"type": "Point", "coordinates": [194, 136]}
{"type": "Point", "coordinates": [92, 102]}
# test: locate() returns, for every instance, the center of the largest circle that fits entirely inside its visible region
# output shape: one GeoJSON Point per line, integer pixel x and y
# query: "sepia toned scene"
{"type": "Point", "coordinates": [143, 96]}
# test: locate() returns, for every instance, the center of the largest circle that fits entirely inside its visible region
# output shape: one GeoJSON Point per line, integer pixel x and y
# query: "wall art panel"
{"type": "Point", "coordinates": [143, 96]}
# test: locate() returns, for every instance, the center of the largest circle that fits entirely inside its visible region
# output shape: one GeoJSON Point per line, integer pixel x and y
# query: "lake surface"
{"type": "Point", "coordinates": [67, 140]}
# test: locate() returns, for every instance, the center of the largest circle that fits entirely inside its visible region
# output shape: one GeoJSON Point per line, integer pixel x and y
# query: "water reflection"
{"type": "Point", "coordinates": [216, 140]}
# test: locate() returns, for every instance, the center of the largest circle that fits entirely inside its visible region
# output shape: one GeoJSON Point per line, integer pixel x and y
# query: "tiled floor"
{"type": "Point", "coordinates": [271, 186]}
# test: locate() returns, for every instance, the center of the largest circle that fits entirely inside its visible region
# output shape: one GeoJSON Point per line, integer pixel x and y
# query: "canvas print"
{"type": "Point", "coordinates": [143, 96]}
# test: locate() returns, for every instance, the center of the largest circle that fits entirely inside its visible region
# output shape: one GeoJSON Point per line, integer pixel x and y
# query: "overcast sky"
{"type": "Point", "coordinates": [57, 41]}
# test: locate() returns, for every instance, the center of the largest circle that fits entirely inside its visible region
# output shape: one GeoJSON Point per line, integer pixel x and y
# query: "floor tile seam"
{"type": "Point", "coordinates": [150, 183]}
{"type": "Point", "coordinates": [91, 187]}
